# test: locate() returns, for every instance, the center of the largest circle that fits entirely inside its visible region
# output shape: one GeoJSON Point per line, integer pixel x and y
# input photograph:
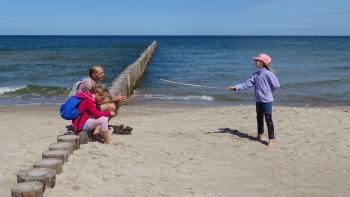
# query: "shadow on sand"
{"type": "Point", "coordinates": [237, 133]}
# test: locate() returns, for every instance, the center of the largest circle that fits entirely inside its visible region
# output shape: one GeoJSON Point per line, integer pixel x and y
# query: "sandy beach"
{"type": "Point", "coordinates": [183, 150]}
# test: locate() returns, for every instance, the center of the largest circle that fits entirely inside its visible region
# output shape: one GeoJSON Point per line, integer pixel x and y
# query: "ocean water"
{"type": "Point", "coordinates": [312, 71]}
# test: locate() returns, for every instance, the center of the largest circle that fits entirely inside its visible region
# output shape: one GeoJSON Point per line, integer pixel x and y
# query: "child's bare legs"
{"type": "Point", "coordinates": [110, 107]}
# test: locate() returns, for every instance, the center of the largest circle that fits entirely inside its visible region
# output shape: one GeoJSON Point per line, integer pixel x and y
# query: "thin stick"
{"type": "Point", "coordinates": [193, 85]}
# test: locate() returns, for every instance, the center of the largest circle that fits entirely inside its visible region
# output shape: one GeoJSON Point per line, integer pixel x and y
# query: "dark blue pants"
{"type": "Point", "coordinates": [265, 109]}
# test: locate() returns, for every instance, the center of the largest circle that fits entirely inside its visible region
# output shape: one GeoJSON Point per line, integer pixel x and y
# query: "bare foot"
{"type": "Point", "coordinates": [271, 143]}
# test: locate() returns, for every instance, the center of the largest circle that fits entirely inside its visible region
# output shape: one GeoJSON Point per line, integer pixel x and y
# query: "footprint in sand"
{"type": "Point", "coordinates": [76, 187]}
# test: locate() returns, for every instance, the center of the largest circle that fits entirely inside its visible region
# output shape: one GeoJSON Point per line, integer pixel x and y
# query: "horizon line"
{"type": "Point", "coordinates": [184, 35]}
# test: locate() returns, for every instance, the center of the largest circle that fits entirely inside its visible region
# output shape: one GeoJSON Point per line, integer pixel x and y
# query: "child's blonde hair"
{"type": "Point", "coordinates": [100, 89]}
{"type": "Point", "coordinates": [103, 91]}
{"type": "Point", "coordinates": [268, 67]}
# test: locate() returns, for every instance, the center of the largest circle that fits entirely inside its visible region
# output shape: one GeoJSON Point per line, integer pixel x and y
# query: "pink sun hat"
{"type": "Point", "coordinates": [264, 58]}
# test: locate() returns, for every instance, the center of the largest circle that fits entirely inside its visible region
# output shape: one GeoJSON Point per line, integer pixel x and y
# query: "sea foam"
{"type": "Point", "coordinates": [11, 89]}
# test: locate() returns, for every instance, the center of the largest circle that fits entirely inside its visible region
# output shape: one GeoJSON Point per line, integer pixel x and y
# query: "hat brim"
{"type": "Point", "coordinates": [257, 58]}
{"type": "Point", "coordinates": [268, 65]}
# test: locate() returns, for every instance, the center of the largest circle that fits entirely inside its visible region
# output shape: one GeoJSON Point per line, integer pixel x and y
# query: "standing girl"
{"type": "Point", "coordinates": [265, 83]}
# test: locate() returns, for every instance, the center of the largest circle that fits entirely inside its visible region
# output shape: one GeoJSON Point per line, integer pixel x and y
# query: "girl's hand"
{"type": "Point", "coordinates": [112, 113]}
{"type": "Point", "coordinates": [232, 88]}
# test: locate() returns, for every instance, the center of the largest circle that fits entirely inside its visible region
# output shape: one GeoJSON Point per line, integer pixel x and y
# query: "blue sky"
{"type": "Point", "coordinates": [175, 17]}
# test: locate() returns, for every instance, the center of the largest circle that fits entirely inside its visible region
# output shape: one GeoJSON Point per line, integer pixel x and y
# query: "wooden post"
{"type": "Point", "coordinates": [70, 138]}
{"type": "Point", "coordinates": [84, 137]}
{"type": "Point", "coordinates": [62, 146]}
{"type": "Point", "coordinates": [28, 189]}
{"type": "Point", "coordinates": [46, 176]}
{"type": "Point", "coordinates": [57, 154]}
{"type": "Point", "coordinates": [51, 163]}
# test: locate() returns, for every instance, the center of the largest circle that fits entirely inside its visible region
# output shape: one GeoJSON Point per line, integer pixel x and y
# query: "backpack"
{"type": "Point", "coordinates": [69, 109]}
{"type": "Point", "coordinates": [75, 88]}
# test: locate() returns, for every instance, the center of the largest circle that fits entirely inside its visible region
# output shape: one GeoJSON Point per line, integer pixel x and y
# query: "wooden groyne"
{"type": "Point", "coordinates": [127, 81]}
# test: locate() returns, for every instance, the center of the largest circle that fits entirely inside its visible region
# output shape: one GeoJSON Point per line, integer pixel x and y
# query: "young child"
{"type": "Point", "coordinates": [91, 117]}
{"type": "Point", "coordinates": [107, 104]}
{"type": "Point", "coordinates": [265, 83]}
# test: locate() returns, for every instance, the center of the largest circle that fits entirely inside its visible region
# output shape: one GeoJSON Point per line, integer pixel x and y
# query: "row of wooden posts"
{"type": "Point", "coordinates": [127, 81]}
{"type": "Point", "coordinates": [33, 182]}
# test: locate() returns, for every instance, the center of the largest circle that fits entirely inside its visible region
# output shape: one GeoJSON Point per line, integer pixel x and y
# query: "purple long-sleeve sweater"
{"type": "Point", "coordinates": [265, 83]}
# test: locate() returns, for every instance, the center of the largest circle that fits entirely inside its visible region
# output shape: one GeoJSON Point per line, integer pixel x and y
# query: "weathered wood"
{"type": "Point", "coordinates": [46, 176]}
{"type": "Point", "coordinates": [56, 154]}
{"type": "Point", "coordinates": [70, 138]}
{"type": "Point", "coordinates": [83, 137]}
{"type": "Point", "coordinates": [28, 189]}
{"type": "Point", "coordinates": [62, 146]}
{"type": "Point", "coordinates": [131, 76]}
{"type": "Point", "coordinates": [51, 163]}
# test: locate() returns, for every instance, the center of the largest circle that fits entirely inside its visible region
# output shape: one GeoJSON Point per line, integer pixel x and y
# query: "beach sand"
{"type": "Point", "coordinates": [182, 150]}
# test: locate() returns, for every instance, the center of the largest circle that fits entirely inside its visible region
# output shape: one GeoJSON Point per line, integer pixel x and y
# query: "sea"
{"type": "Point", "coordinates": [312, 70]}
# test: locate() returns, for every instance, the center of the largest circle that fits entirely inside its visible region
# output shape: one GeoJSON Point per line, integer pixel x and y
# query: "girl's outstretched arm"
{"type": "Point", "coordinates": [232, 88]}
{"type": "Point", "coordinates": [246, 85]}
